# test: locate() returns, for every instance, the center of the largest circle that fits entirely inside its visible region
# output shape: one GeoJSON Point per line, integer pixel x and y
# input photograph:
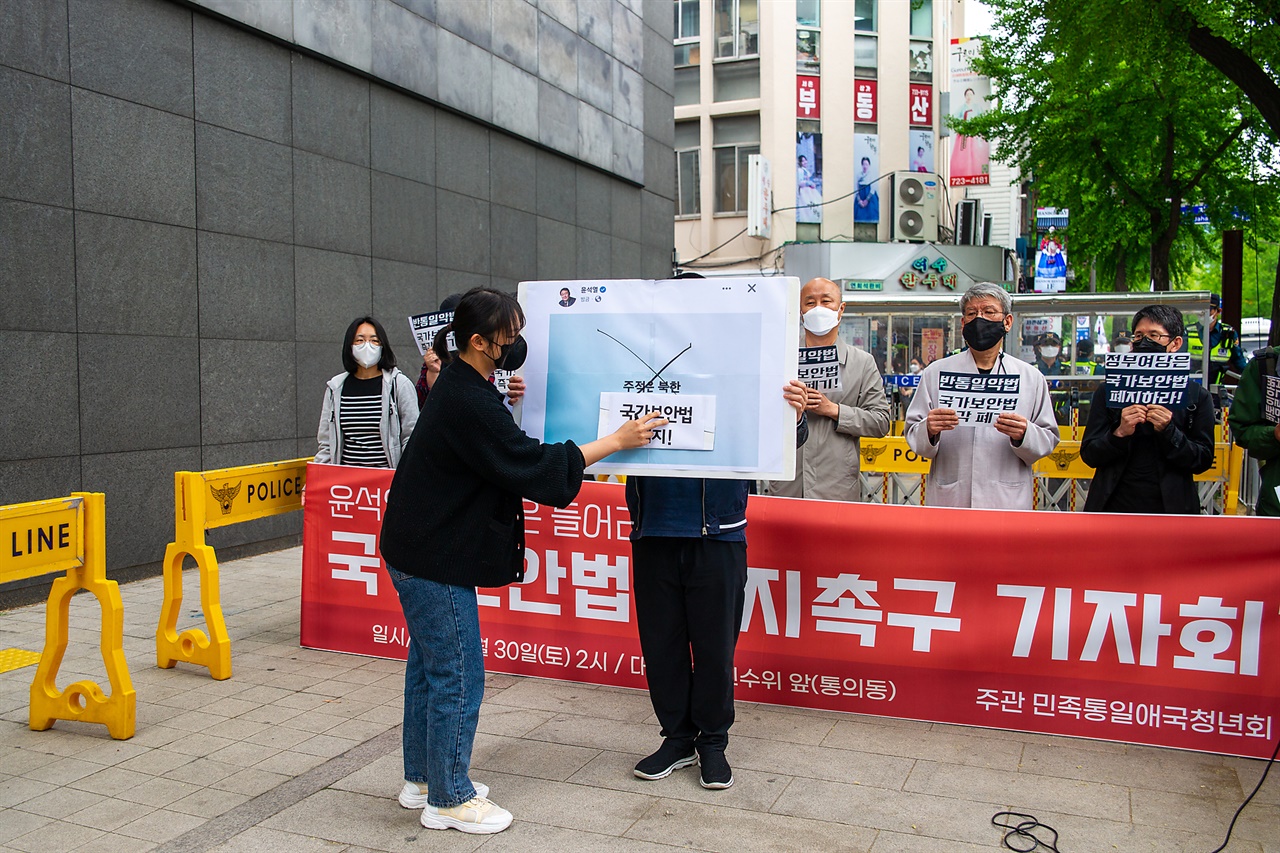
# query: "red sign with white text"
{"type": "Point", "coordinates": [948, 615]}
{"type": "Point", "coordinates": [920, 108]}
{"type": "Point", "coordinates": [808, 97]}
{"type": "Point", "coordinates": [864, 101]}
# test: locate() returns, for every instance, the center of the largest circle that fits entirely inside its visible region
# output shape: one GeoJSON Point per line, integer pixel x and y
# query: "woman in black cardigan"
{"type": "Point", "coordinates": [454, 521]}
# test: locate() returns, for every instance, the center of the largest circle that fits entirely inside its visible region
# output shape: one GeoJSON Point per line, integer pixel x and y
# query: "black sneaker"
{"type": "Point", "coordinates": [716, 773]}
{"type": "Point", "coordinates": [672, 755]}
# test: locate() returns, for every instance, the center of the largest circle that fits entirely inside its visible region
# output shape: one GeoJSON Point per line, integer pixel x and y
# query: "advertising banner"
{"type": "Point", "coordinates": [920, 104]}
{"type": "Point", "coordinates": [949, 615]}
{"type": "Point", "coordinates": [866, 165]}
{"type": "Point", "coordinates": [808, 97]}
{"type": "Point", "coordinates": [970, 155]}
{"type": "Point", "coordinates": [864, 101]}
{"type": "Point", "coordinates": [921, 148]}
{"type": "Point", "coordinates": [808, 177]}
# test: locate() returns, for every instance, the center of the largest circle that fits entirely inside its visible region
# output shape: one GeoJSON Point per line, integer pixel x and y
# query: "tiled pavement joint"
{"type": "Point", "coordinates": [266, 805]}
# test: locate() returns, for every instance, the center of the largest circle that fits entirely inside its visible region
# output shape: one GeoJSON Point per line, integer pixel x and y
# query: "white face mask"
{"type": "Point", "coordinates": [819, 320]}
{"type": "Point", "coordinates": [1123, 348]}
{"type": "Point", "coordinates": [367, 354]}
{"type": "Point", "coordinates": [1049, 352]}
{"type": "Point", "coordinates": [915, 368]}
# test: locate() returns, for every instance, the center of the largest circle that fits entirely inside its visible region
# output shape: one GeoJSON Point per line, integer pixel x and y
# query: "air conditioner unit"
{"type": "Point", "coordinates": [916, 196]}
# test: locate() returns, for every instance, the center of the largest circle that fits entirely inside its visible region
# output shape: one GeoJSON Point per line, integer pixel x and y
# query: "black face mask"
{"type": "Point", "coordinates": [982, 334]}
{"type": "Point", "coordinates": [512, 355]}
{"type": "Point", "coordinates": [1148, 345]}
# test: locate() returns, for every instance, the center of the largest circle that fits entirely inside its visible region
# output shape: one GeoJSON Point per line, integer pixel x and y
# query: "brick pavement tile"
{"type": "Point", "coordinates": [751, 790]}
{"type": "Point", "coordinates": [1143, 768]}
{"type": "Point", "coordinates": [526, 835]}
{"type": "Point", "coordinates": [15, 823]}
{"type": "Point", "coordinates": [199, 744]}
{"type": "Point", "coordinates": [771, 724]}
{"type": "Point", "coordinates": [289, 763]}
{"type": "Point", "coordinates": [194, 721]}
{"type": "Point", "coordinates": [159, 792]}
{"type": "Point", "coordinates": [954, 745]}
{"type": "Point", "coordinates": [16, 760]}
{"type": "Point", "coordinates": [941, 818]}
{"type": "Point", "coordinates": [529, 758]}
{"type": "Point", "coordinates": [112, 844]}
{"type": "Point", "coordinates": [1077, 832]}
{"type": "Point", "coordinates": [311, 723]}
{"type": "Point", "coordinates": [566, 697]}
{"type": "Point", "coordinates": [573, 729]}
{"type": "Point", "coordinates": [60, 802]}
{"type": "Point", "coordinates": [160, 826]}
{"type": "Point", "coordinates": [571, 806]}
{"type": "Point", "coordinates": [389, 714]}
{"type": "Point", "coordinates": [243, 754]}
{"type": "Point", "coordinates": [1258, 822]}
{"type": "Point", "coordinates": [1027, 792]}
{"type": "Point", "coordinates": [357, 730]}
{"type": "Point", "coordinates": [302, 701]}
{"type": "Point", "coordinates": [109, 753]}
{"type": "Point", "coordinates": [281, 737]}
{"type": "Point", "coordinates": [325, 746]}
{"type": "Point", "coordinates": [381, 777]}
{"type": "Point", "coordinates": [109, 814]}
{"type": "Point", "coordinates": [263, 694]}
{"type": "Point", "coordinates": [156, 762]}
{"type": "Point", "coordinates": [55, 837]}
{"type": "Point", "coordinates": [236, 728]}
{"type": "Point", "coordinates": [202, 771]}
{"type": "Point", "coordinates": [251, 782]}
{"type": "Point", "coordinates": [897, 842]}
{"type": "Point", "coordinates": [270, 714]}
{"type": "Point", "coordinates": [156, 735]}
{"type": "Point", "coordinates": [817, 762]}
{"type": "Point", "coordinates": [67, 770]}
{"type": "Point", "coordinates": [230, 706]}
{"type": "Point", "coordinates": [702, 826]}
{"type": "Point", "coordinates": [361, 676]}
{"type": "Point", "coordinates": [111, 781]}
{"type": "Point", "coordinates": [257, 840]}
{"type": "Point", "coordinates": [208, 803]}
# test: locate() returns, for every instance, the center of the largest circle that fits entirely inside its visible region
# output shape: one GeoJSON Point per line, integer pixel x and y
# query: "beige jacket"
{"type": "Point", "coordinates": [827, 465]}
{"type": "Point", "coordinates": [976, 466]}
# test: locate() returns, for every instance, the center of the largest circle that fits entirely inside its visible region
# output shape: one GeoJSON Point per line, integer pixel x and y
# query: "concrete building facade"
{"type": "Point", "coordinates": [196, 199]}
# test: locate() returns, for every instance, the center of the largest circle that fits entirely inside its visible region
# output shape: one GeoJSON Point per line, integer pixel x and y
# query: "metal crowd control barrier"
{"type": "Point", "coordinates": [239, 494]}
{"type": "Point", "coordinates": [70, 534]}
{"type": "Point", "coordinates": [893, 474]}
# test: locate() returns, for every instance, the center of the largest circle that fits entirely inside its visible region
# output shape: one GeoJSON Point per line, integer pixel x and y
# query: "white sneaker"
{"type": "Point", "coordinates": [414, 796]}
{"type": "Point", "coordinates": [477, 815]}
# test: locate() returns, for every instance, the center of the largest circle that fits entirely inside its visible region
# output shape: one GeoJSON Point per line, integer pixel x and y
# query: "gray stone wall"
{"type": "Point", "coordinates": [192, 212]}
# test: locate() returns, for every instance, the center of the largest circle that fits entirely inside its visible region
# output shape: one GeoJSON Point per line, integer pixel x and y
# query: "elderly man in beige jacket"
{"type": "Point", "coordinates": [986, 466]}
{"type": "Point", "coordinates": [827, 465]}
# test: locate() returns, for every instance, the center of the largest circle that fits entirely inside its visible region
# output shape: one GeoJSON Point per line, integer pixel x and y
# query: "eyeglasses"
{"type": "Point", "coordinates": [1155, 336]}
{"type": "Point", "coordinates": [987, 313]}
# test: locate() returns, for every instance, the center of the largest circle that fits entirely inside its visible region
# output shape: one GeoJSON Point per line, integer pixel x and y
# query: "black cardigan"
{"type": "Point", "coordinates": [454, 513]}
{"type": "Point", "coordinates": [1186, 449]}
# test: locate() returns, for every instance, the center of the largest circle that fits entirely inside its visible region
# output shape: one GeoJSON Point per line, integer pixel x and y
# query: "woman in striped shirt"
{"type": "Point", "coordinates": [370, 409]}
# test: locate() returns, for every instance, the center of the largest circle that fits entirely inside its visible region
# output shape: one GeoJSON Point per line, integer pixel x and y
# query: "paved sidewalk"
{"type": "Point", "coordinates": [300, 750]}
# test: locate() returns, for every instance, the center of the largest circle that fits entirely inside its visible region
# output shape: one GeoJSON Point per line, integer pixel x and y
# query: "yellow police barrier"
{"type": "Point", "coordinates": [70, 534]}
{"type": "Point", "coordinates": [238, 494]}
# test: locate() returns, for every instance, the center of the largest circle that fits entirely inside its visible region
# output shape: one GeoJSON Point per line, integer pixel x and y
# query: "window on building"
{"type": "Point", "coordinates": [736, 81]}
{"type": "Point", "coordinates": [865, 60]}
{"type": "Point", "coordinates": [688, 86]}
{"type": "Point", "coordinates": [688, 169]}
{"type": "Point", "coordinates": [687, 44]}
{"type": "Point", "coordinates": [921, 61]}
{"type": "Point", "coordinates": [922, 19]}
{"type": "Point", "coordinates": [864, 16]}
{"type": "Point", "coordinates": [807, 51]}
{"type": "Point", "coordinates": [735, 139]}
{"type": "Point", "coordinates": [737, 29]}
{"type": "Point", "coordinates": [807, 13]}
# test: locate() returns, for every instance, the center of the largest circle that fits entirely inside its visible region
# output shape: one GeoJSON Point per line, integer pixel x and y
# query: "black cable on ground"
{"type": "Point", "coordinates": [1028, 841]}
{"type": "Point", "coordinates": [1247, 799]}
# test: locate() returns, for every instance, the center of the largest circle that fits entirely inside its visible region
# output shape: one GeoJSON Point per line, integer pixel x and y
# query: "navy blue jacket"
{"type": "Point", "coordinates": [692, 507]}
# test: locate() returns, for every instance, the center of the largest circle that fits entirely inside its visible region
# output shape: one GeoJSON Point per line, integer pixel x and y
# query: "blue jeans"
{"type": "Point", "coordinates": [443, 686]}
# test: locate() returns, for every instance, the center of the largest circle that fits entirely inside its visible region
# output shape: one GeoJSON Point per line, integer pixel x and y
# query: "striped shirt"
{"type": "Point", "coordinates": [359, 417]}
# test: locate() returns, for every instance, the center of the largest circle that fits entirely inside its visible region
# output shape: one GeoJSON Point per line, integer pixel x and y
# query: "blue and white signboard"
{"type": "Point", "coordinates": [717, 352]}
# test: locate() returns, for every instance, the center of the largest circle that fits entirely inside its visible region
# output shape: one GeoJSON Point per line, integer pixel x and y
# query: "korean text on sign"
{"type": "Point", "coordinates": [820, 368]}
{"type": "Point", "coordinates": [1271, 399]}
{"type": "Point", "coordinates": [425, 326]}
{"type": "Point", "coordinates": [691, 418]}
{"type": "Point", "coordinates": [1149, 379]}
{"type": "Point", "coordinates": [978, 398]}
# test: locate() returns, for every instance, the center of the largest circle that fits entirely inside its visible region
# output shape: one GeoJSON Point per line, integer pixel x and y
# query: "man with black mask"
{"type": "Point", "coordinates": [982, 465]}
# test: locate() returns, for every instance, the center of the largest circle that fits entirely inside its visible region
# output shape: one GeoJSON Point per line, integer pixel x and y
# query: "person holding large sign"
{"type": "Point", "coordinates": [1150, 428]}
{"type": "Point", "coordinates": [982, 416]}
{"type": "Point", "coordinates": [454, 521]}
{"type": "Point", "coordinates": [1255, 423]}
{"type": "Point", "coordinates": [845, 400]}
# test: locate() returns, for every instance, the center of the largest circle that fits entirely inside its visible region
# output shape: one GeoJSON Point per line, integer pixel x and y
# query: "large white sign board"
{"type": "Point", "coordinates": [733, 340]}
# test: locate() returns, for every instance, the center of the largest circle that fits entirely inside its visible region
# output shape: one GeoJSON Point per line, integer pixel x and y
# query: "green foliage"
{"type": "Point", "coordinates": [1259, 279]}
{"type": "Point", "coordinates": [1119, 121]}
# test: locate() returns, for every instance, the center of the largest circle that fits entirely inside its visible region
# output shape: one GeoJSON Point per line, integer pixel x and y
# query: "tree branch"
{"type": "Point", "coordinates": [1186, 187]}
{"type": "Point", "coordinates": [1241, 69]}
{"type": "Point", "coordinates": [1115, 177]}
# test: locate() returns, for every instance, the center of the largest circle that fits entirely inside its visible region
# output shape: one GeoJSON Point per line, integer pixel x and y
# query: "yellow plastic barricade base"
{"type": "Point", "coordinates": [241, 494]}
{"type": "Point", "coordinates": [84, 700]}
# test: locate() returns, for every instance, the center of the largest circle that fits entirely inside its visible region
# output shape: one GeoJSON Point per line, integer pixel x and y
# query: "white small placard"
{"type": "Point", "coordinates": [691, 418]}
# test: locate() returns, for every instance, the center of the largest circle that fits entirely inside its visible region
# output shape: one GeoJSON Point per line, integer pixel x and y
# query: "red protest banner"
{"type": "Point", "coordinates": [960, 616]}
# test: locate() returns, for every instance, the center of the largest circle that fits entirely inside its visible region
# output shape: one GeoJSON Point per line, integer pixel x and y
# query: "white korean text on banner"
{"type": "Point", "coordinates": [970, 155]}
{"type": "Point", "coordinates": [978, 398]}
{"type": "Point", "coordinates": [866, 166]}
{"type": "Point", "coordinates": [990, 631]}
{"type": "Point", "coordinates": [731, 339]}
{"type": "Point", "coordinates": [820, 368]}
{"type": "Point", "coordinates": [1271, 399]}
{"type": "Point", "coordinates": [808, 177]}
{"type": "Point", "coordinates": [1149, 379]}
{"type": "Point", "coordinates": [425, 326]}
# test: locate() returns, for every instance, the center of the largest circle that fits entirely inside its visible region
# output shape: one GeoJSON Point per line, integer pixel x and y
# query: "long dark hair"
{"type": "Point", "coordinates": [483, 311]}
{"type": "Point", "coordinates": [388, 359]}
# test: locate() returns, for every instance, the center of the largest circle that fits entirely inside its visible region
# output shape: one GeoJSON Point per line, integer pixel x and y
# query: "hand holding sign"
{"type": "Point", "coordinates": [940, 420]}
{"type": "Point", "coordinates": [1159, 417]}
{"type": "Point", "coordinates": [1130, 417]}
{"type": "Point", "coordinates": [797, 396]}
{"type": "Point", "coordinates": [1012, 424]}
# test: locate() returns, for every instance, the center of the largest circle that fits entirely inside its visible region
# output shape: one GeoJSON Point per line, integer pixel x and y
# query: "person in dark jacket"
{"type": "Point", "coordinates": [689, 574]}
{"type": "Point", "coordinates": [454, 521]}
{"type": "Point", "coordinates": [1146, 456]}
